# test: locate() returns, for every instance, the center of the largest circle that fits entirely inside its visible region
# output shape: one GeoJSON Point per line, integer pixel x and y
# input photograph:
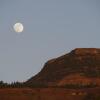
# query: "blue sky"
{"type": "Point", "coordinates": [51, 28]}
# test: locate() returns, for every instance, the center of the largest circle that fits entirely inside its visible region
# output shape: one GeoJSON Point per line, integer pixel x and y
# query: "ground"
{"type": "Point", "coordinates": [49, 94]}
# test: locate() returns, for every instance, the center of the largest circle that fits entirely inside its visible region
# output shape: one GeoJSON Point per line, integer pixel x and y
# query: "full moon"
{"type": "Point", "coordinates": [18, 27]}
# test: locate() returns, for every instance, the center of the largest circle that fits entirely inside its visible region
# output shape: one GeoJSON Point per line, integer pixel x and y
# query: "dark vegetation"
{"type": "Point", "coordinates": [79, 86]}
{"type": "Point", "coordinates": [12, 85]}
{"type": "Point", "coordinates": [68, 86]}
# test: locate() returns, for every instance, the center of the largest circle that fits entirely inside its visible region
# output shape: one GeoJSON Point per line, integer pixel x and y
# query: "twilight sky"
{"type": "Point", "coordinates": [51, 28]}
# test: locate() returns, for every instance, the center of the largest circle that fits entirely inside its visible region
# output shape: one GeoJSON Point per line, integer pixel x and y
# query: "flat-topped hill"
{"type": "Point", "coordinates": [82, 62]}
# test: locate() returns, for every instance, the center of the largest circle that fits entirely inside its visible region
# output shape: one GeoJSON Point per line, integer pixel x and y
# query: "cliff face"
{"type": "Point", "coordinates": [80, 65]}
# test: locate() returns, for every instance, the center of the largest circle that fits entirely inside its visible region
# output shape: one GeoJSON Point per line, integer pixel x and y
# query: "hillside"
{"type": "Point", "coordinates": [81, 65]}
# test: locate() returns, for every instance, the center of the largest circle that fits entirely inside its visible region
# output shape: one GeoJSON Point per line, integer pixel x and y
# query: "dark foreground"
{"type": "Point", "coordinates": [49, 94]}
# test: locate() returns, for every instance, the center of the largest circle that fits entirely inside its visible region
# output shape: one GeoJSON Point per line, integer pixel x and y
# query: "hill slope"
{"type": "Point", "coordinates": [81, 65]}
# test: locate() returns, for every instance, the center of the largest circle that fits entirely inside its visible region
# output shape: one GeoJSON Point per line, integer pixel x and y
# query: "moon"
{"type": "Point", "coordinates": [18, 27]}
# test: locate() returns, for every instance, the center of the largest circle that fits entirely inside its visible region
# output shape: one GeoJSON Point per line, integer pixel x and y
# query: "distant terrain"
{"type": "Point", "coordinates": [73, 76]}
